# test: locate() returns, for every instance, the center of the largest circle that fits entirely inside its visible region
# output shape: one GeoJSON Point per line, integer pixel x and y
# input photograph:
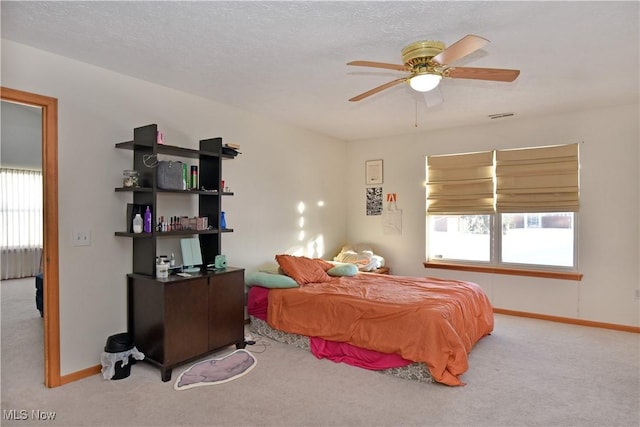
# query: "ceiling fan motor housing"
{"type": "Point", "coordinates": [418, 54]}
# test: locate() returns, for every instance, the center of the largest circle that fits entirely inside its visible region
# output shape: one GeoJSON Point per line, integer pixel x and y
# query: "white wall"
{"type": "Point", "coordinates": [608, 219]}
{"type": "Point", "coordinates": [280, 167]}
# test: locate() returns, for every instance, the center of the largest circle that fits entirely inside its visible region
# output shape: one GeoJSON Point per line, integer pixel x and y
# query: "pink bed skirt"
{"type": "Point", "coordinates": [257, 305]}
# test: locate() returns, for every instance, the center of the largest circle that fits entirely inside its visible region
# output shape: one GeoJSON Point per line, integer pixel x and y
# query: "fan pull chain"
{"type": "Point", "coordinates": [416, 124]}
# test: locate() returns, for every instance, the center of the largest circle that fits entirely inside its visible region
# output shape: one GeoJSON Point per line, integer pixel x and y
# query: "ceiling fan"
{"type": "Point", "coordinates": [427, 63]}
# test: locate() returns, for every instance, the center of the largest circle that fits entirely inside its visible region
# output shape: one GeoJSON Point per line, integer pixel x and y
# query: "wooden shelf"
{"type": "Point", "coordinates": [134, 189]}
{"type": "Point", "coordinates": [169, 150]}
{"type": "Point", "coordinates": [159, 190]}
{"type": "Point", "coordinates": [160, 234]}
{"type": "Point", "coordinates": [172, 150]}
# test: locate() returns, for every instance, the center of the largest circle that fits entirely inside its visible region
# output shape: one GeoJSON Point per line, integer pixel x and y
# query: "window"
{"type": "Point", "coordinates": [20, 208]}
{"type": "Point", "coordinates": [509, 208]}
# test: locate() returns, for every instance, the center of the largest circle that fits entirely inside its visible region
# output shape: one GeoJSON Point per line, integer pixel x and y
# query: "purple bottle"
{"type": "Point", "coordinates": [147, 220]}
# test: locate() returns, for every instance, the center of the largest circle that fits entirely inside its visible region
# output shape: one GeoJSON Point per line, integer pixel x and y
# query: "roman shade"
{"type": "Point", "coordinates": [541, 179]}
{"type": "Point", "coordinates": [460, 184]}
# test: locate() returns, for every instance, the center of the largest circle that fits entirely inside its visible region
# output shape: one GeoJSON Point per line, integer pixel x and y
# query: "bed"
{"type": "Point", "coordinates": [374, 321]}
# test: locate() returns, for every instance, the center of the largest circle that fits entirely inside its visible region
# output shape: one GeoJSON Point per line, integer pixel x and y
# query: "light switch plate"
{"type": "Point", "coordinates": [81, 238]}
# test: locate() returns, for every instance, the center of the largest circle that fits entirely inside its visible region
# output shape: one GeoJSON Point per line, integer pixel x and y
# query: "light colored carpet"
{"type": "Point", "coordinates": [528, 373]}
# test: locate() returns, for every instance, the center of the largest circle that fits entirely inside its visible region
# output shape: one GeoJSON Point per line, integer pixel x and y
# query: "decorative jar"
{"type": "Point", "coordinates": [130, 178]}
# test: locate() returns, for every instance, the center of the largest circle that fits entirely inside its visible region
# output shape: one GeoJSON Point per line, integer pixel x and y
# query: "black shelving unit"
{"type": "Point", "coordinates": [145, 150]}
{"type": "Point", "coordinates": [178, 319]}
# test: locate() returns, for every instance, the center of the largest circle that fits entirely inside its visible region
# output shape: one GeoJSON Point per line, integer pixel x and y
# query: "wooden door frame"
{"type": "Point", "coordinates": [50, 244]}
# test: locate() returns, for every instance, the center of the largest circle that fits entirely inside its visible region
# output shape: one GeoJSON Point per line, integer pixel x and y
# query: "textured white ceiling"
{"type": "Point", "coordinates": [287, 59]}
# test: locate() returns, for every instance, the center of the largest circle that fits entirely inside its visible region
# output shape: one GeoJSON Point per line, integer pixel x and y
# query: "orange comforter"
{"type": "Point", "coordinates": [427, 320]}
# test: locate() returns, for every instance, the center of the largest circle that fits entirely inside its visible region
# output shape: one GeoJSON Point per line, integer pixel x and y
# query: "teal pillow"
{"type": "Point", "coordinates": [271, 281]}
{"type": "Point", "coordinates": [343, 270]}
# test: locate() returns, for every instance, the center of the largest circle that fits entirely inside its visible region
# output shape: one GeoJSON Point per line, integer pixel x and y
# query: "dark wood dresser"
{"type": "Point", "coordinates": [177, 320]}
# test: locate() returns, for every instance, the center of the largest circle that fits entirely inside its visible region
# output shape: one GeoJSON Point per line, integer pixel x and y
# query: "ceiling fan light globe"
{"type": "Point", "coordinates": [425, 82]}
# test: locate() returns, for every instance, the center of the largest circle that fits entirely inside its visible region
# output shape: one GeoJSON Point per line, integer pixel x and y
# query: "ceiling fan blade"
{"type": "Point", "coordinates": [494, 74]}
{"type": "Point", "coordinates": [433, 97]}
{"type": "Point", "coordinates": [379, 65]}
{"type": "Point", "coordinates": [462, 47]}
{"type": "Point", "coordinates": [377, 89]}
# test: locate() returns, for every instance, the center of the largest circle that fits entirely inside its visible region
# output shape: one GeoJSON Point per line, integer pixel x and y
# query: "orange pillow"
{"type": "Point", "coordinates": [304, 270]}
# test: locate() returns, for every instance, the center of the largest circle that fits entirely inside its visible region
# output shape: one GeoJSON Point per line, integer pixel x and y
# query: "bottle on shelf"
{"type": "Point", "coordinates": [223, 221]}
{"type": "Point", "coordinates": [137, 224]}
{"type": "Point", "coordinates": [194, 177]}
{"type": "Point", "coordinates": [185, 177]}
{"type": "Point", "coordinates": [147, 220]}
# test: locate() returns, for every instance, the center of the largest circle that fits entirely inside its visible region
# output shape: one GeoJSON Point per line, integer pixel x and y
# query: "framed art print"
{"type": "Point", "coordinates": [373, 172]}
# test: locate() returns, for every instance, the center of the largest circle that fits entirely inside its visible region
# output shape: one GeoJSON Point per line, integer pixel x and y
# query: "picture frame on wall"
{"type": "Point", "coordinates": [373, 172]}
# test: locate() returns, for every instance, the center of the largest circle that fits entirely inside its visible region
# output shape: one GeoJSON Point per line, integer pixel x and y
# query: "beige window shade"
{"type": "Point", "coordinates": [460, 184]}
{"type": "Point", "coordinates": [542, 179]}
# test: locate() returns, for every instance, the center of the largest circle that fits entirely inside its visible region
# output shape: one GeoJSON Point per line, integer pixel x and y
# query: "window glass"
{"type": "Point", "coordinates": [538, 238]}
{"type": "Point", "coordinates": [460, 237]}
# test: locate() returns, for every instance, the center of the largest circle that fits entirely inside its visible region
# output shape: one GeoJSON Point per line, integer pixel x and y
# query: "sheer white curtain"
{"type": "Point", "coordinates": [21, 224]}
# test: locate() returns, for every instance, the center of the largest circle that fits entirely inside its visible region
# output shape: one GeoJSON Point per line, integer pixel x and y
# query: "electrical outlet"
{"type": "Point", "coordinates": [81, 238]}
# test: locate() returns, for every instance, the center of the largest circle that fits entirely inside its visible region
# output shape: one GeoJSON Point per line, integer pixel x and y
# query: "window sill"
{"type": "Point", "coordinates": [501, 270]}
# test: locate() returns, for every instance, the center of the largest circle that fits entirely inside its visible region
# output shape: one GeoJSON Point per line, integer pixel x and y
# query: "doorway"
{"type": "Point", "coordinates": [51, 337]}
